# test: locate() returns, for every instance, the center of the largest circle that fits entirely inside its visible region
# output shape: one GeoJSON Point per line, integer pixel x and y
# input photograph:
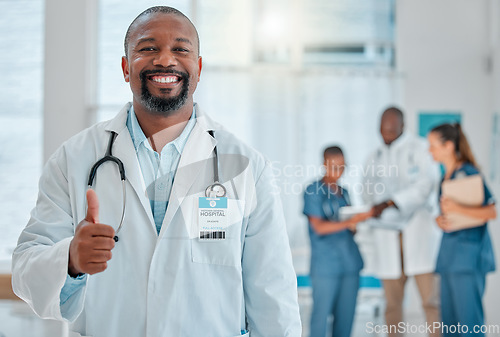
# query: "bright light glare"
{"type": "Point", "coordinates": [274, 26]}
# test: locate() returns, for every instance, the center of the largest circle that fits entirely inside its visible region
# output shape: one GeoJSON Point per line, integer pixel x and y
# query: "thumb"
{"type": "Point", "coordinates": [92, 207]}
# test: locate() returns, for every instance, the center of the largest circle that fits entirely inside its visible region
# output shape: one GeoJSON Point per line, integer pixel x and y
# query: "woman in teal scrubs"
{"type": "Point", "coordinates": [335, 258]}
{"type": "Point", "coordinates": [465, 255]}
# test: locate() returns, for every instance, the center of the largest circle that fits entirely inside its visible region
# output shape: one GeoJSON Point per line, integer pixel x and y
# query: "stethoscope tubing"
{"type": "Point", "coordinates": [108, 156]}
{"type": "Point", "coordinates": [210, 191]}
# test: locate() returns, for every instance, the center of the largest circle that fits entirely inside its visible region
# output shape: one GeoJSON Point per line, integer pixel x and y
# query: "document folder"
{"type": "Point", "coordinates": [468, 191]}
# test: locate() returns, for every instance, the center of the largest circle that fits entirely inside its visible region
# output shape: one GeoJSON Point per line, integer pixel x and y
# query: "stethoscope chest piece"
{"type": "Point", "coordinates": [216, 190]}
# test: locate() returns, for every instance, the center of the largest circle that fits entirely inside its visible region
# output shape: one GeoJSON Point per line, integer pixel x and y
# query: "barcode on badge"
{"type": "Point", "coordinates": [212, 235]}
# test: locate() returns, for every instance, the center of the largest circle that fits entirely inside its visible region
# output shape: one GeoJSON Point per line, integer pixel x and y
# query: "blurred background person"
{"type": "Point", "coordinates": [335, 258]}
{"type": "Point", "coordinates": [466, 254]}
{"type": "Point", "coordinates": [400, 178]}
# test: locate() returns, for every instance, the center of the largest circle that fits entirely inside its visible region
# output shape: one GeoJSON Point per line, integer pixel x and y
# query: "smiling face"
{"type": "Point", "coordinates": [162, 63]}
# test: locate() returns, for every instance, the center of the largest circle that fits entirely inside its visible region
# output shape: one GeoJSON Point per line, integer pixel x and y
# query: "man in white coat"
{"type": "Point", "coordinates": [400, 181]}
{"type": "Point", "coordinates": [188, 260]}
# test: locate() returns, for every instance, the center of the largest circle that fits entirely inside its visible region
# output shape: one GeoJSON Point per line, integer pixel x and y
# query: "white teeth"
{"type": "Point", "coordinates": [169, 79]}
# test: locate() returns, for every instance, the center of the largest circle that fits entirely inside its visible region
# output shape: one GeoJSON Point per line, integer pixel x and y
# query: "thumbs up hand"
{"type": "Point", "coordinates": [90, 249]}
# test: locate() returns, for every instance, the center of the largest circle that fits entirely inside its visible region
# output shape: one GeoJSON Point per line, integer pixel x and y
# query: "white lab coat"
{"type": "Point", "coordinates": [405, 173]}
{"type": "Point", "coordinates": [169, 284]}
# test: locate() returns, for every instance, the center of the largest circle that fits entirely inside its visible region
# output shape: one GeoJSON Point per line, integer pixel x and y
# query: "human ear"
{"type": "Point", "coordinates": [200, 64]}
{"type": "Point", "coordinates": [125, 69]}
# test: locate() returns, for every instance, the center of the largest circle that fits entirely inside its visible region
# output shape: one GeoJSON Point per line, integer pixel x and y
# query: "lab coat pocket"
{"type": "Point", "coordinates": [225, 252]}
{"type": "Point", "coordinates": [221, 252]}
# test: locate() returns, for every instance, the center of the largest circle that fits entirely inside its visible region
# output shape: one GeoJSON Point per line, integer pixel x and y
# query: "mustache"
{"type": "Point", "coordinates": [145, 73]}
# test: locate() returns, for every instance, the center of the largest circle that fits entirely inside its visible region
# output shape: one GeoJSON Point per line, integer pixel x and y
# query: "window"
{"type": "Point", "coordinates": [349, 32]}
{"type": "Point", "coordinates": [21, 64]}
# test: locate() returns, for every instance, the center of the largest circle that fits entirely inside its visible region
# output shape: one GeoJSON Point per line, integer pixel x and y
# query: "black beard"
{"type": "Point", "coordinates": [163, 105]}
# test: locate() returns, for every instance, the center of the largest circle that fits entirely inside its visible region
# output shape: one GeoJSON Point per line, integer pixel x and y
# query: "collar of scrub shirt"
{"type": "Point", "coordinates": [151, 163]}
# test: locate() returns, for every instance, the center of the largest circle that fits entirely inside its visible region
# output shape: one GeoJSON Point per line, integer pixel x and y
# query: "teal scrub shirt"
{"type": "Point", "coordinates": [336, 253]}
{"type": "Point", "coordinates": [467, 250]}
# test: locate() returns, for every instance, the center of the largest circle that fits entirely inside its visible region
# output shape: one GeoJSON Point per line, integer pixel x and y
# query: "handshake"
{"type": "Point", "coordinates": [375, 212]}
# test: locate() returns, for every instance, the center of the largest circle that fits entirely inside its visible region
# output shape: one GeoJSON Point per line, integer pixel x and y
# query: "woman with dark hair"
{"type": "Point", "coordinates": [466, 255]}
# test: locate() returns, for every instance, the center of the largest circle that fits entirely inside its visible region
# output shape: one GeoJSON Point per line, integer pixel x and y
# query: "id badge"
{"type": "Point", "coordinates": [212, 218]}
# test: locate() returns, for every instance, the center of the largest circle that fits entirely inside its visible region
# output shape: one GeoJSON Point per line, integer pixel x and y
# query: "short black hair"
{"type": "Point", "coordinates": [396, 111]}
{"type": "Point", "coordinates": [153, 10]}
{"type": "Point", "coordinates": [332, 151]}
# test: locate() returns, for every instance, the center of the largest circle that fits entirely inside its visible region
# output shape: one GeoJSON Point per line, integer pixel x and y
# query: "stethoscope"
{"type": "Point", "coordinates": [215, 190]}
{"type": "Point", "coordinates": [108, 156]}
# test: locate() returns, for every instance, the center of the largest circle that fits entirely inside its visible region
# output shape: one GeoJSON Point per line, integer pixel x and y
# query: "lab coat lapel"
{"type": "Point", "coordinates": [198, 149]}
{"type": "Point", "coordinates": [124, 149]}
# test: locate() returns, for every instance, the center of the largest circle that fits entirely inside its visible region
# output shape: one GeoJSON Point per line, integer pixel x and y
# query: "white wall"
{"type": "Point", "coordinates": [69, 70]}
{"type": "Point", "coordinates": [444, 53]}
{"type": "Point", "coordinates": [441, 51]}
